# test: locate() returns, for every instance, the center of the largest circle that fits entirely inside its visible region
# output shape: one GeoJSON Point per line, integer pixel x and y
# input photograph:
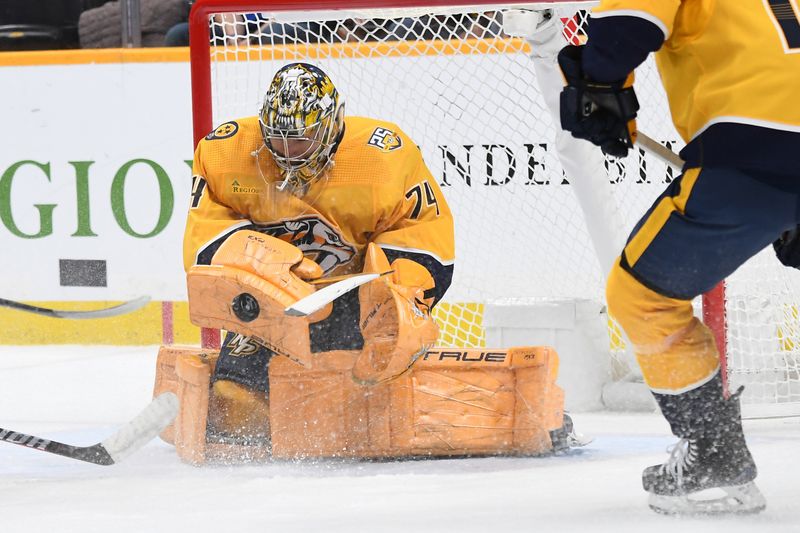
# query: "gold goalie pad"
{"type": "Point", "coordinates": [186, 371]}
{"type": "Point", "coordinates": [396, 321]}
{"type": "Point", "coordinates": [251, 280]}
{"type": "Point", "coordinates": [452, 402]}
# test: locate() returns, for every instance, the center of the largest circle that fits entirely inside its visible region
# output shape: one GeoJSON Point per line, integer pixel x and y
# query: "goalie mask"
{"type": "Point", "coordinates": [302, 121]}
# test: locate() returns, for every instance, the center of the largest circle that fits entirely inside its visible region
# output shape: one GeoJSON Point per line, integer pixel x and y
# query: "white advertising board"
{"type": "Point", "coordinates": [93, 168]}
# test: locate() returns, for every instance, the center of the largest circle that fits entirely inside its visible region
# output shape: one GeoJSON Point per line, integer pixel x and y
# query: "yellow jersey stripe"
{"type": "Point", "coordinates": [659, 216]}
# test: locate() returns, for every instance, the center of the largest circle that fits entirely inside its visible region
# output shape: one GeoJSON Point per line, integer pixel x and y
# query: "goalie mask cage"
{"type": "Point", "coordinates": [465, 91]}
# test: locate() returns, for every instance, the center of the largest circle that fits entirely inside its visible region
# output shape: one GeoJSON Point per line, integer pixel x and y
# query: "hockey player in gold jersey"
{"type": "Point", "coordinates": [341, 189]}
{"type": "Point", "coordinates": [731, 70]}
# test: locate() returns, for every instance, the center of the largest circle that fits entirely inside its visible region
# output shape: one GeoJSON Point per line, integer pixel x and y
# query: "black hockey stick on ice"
{"type": "Point", "coordinates": [132, 436]}
{"type": "Point", "coordinates": [120, 309]}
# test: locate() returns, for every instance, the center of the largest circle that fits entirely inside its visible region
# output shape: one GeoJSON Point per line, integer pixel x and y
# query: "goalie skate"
{"type": "Point", "coordinates": [566, 438]}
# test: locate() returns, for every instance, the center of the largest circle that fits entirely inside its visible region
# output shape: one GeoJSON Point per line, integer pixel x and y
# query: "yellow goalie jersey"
{"type": "Point", "coordinates": [378, 190]}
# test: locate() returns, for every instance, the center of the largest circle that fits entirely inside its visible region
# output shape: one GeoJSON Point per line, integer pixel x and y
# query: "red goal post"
{"type": "Point", "coordinates": [472, 103]}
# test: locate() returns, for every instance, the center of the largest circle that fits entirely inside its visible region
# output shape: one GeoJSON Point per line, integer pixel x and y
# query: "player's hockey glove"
{"type": "Point", "coordinates": [600, 112]}
{"type": "Point", "coordinates": [787, 247]}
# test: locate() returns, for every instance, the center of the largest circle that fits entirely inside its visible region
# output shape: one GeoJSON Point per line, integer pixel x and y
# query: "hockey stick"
{"type": "Point", "coordinates": [659, 150]}
{"type": "Point", "coordinates": [120, 309]}
{"type": "Point", "coordinates": [132, 436]}
{"type": "Point", "coordinates": [337, 279]}
{"type": "Point", "coordinates": [317, 300]}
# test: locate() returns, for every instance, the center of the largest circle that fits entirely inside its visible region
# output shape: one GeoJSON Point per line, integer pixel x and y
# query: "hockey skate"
{"type": "Point", "coordinates": [713, 458]}
{"type": "Point", "coordinates": [565, 438]}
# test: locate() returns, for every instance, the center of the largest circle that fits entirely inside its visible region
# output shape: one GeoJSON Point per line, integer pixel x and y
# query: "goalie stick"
{"type": "Point", "coordinates": [120, 309]}
{"type": "Point", "coordinates": [317, 300]}
{"type": "Point", "coordinates": [132, 436]}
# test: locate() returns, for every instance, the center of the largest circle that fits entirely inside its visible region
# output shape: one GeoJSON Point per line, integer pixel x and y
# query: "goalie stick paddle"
{"type": "Point", "coordinates": [317, 300]}
{"type": "Point", "coordinates": [132, 436]}
{"type": "Point", "coordinates": [120, 309]}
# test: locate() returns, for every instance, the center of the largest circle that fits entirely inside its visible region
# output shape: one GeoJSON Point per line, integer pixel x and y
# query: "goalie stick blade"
{"type": "Point", "coordinates": [317, 300]}
{"type": "Point", "coordinates": [121, 309]}
{"type": "Point", "coordinates": [135, 434]}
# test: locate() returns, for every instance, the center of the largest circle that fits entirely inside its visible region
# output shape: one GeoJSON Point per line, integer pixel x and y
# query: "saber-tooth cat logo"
{"type": "Point", "coordinates": [319, 241]}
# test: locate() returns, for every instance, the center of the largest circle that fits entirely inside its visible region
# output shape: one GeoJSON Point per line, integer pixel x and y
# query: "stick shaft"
{"type": "Point", "coordinates": [132, 436]}
{"type": "Point", "coordinates": [657, 149]}
{"type": "Point", "coordinates": [121, 309]}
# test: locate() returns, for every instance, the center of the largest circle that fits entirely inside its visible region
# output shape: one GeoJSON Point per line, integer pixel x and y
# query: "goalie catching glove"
{"type": "Point", "coordinates": [396, 321]}
{"type": "Point", "coordinates": [602, 113]}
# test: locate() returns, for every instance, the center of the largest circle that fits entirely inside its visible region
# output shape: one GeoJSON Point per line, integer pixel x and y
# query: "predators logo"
{"type": "Point", "coordinates": [386, 140]}
{"type": "Point", "coordinates": [241, 346]}
{"type": "Point", "coordinates": [318, 241]}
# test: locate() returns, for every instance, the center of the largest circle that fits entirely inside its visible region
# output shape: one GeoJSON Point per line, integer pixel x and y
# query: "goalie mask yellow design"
{"type": "Point", "coordinates": [301, 121]}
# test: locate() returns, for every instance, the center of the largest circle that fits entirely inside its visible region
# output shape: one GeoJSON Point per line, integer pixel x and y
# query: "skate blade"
{"type": "Point", "coordinates": [578, 440]}
{"type": "Point", "coordinates": [739, 499]}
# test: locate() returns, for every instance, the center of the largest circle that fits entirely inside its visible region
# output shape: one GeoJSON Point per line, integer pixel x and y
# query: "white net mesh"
{"type": "Point", "coordinates": [468, 95]}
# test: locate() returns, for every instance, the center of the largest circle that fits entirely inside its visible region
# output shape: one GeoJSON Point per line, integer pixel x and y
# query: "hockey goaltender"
{"type": "Point", "coordinates": [274, 224]}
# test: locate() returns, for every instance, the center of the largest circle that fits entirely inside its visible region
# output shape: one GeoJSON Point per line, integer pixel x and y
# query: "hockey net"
{"type": "Point", "coordinates": [466, 92]}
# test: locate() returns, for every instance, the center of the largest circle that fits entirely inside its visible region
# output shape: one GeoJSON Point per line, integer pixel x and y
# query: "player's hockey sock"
{"type": "Point", "coordinates": [712, 451]}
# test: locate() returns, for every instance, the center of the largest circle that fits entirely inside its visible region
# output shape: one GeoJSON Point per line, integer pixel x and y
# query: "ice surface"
{"type": "Point", "coordinates": [80, 395]}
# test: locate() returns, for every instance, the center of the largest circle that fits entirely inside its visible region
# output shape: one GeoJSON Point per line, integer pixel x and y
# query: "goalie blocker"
{"type": "Point", "coordinates": [453, 402]}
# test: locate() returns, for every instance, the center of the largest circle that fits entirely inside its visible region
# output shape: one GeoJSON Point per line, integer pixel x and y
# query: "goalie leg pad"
{"type": "Point", "coordinates": [167, 379]}
{"type": "Point", "coordinates": [228, 406]}
{"type": "Point", "coordinates": [194, 378]}
{"type": "Point", "coordinates": [452, 402]}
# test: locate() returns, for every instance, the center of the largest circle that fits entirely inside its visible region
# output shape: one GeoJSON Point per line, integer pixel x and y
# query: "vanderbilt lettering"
{"type": "Point", "coordinates": [499, 164]}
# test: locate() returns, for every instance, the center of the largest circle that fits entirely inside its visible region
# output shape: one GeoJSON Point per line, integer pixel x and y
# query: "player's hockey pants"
{"type": "Point", "coordinates": [699, 231]}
